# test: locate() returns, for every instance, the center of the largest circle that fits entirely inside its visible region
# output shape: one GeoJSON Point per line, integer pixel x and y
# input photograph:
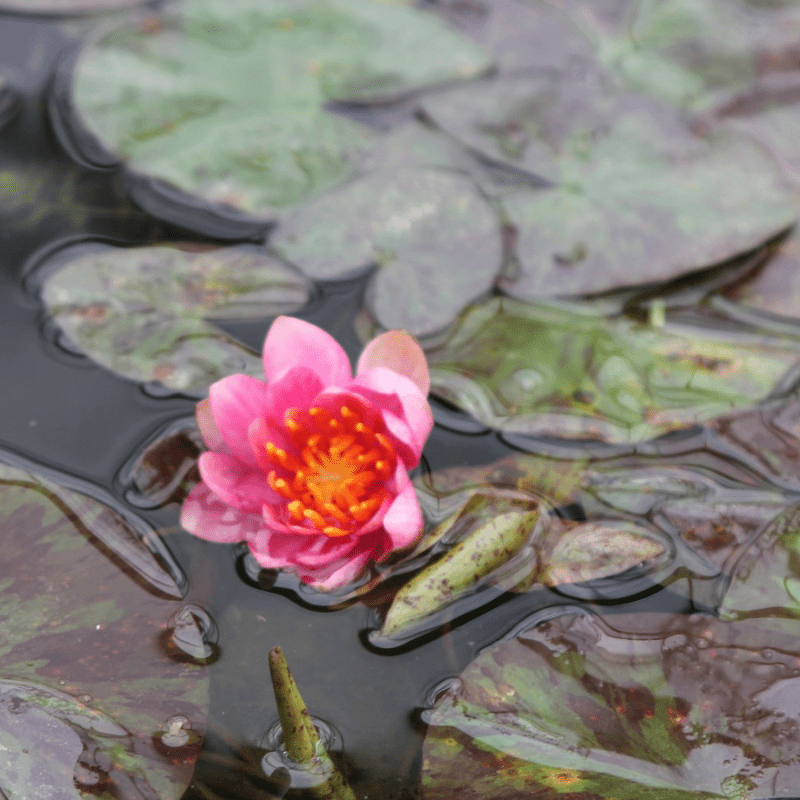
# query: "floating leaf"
{"type": "Point", "coordinates": [499, 550]}
{"type": "Point", "coordinates": [81, 658]}
{"type": "Point", "coordinates": [709, 509]}
{"type": "Point", "coordinates": [225, 99]}
{"type": "Point", "coordinates": [142, 312]}
{"type": "Point", "coordinates": [680, 49]}
{"type": "Point", "coordinates": [165, 470]}
{"type": "Point", "coordinates": [597, 550]}
{"type": "Point", "coordinates": [766, 580]}
{"type": "Point", "coordinates": [565, 372]}
{"type": "Point", "coordinates": [435, 240]}
{"type": "Point", "coordinates": [676, 707]}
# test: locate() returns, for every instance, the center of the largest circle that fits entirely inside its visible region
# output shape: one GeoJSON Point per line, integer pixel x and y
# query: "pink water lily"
{"type": "Point", "coordinates": [310, 467]}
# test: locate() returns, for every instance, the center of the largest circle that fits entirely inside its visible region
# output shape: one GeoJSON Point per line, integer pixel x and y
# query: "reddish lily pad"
{"type": "Point", "coordinates": [141, 312]}
{"type": "Point", "coordinates": [435, 240]}
{"type": "Point", "coordinates": [81, 657]}
{"type": "Point", "coordinates": [635, 705]}
{"type": "Point", "coordinates": [224, 98]}
{"type": "Point", "coordinates": [563, 371]}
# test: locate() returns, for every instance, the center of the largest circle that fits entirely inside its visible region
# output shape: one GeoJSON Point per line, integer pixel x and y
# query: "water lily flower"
{"type": "Point", "coordinates": [310, 467]}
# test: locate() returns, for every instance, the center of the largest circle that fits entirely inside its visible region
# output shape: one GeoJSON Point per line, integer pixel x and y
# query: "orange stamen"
{"type": "Point", "coordinates": [332, 471]}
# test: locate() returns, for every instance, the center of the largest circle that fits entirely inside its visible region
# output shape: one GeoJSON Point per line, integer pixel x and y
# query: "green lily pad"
{"type": "Point", "coordinates": [565, 372]}
{"type": "Point", "coordinates": [89, 696]}
{"type": "Point", "coordinates": [224, 98]}
{"type": "Point", "coordinates": [141, 312]}
{"type": "Point", "coordinates": [648, 705]}
{"type": "Point", "coordinates": [435, 240]}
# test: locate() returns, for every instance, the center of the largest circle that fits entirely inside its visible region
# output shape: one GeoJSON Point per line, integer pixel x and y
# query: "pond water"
{"type": "Point", "coordinates": [200, 619]}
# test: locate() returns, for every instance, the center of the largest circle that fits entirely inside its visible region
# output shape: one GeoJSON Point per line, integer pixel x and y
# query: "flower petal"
{"type": "Point", "coordinates": [235, 402]}
{"type": "Point", "coordinates": [208, 427]}
{"type": "Point", "coordinates": [401, 397]}
{"type": "Point", "coordinates": [403, 521]}
{"type": "Point", "coordinates": [235, 483]}
{"type": "Point", "coordinates": [293, 342]}
{"type": "Point", "coordinates": [399, 352]}
{"type": "Point", "coordinates": [208, 517]}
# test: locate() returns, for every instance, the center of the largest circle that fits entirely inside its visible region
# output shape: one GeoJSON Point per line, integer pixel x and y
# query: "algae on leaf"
{"type": "Point", "coordinates": [669, 706]}
{"type": "Point", "coordinates": [142, 312]}
{"type": "Point", "coordinates": [225, 98]}
{"type": "Point", "coordinates": [565, 372]}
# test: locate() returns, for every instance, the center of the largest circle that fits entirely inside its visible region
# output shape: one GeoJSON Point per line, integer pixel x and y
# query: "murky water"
{"type": "Point", "coordinates": [63, 413]}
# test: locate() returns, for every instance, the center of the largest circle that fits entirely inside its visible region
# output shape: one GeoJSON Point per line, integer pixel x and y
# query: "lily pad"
{"type": "Point", "coordinates": [681, 49]}
{"type": "Point", "coordinates": [224, 99]}
{"type": "Point", "coordinates": [435, 240]}
{"type": "Point", "coordinates": [710, 511]}
{"type": "Point", "coordinates": [564, 372]}
{"type": "Point", "coordinates": [632, 706]}
{"type": "Point", "coordinates": [639, 198]}
{"type": "Point", "coordinates": [766, 581]}
{"type": "Point", "coordinates": [81, 658]}
{"type": "Point", "coordinates": [141, 312]}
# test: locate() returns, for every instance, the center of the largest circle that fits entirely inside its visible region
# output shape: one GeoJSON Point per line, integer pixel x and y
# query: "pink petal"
{"type": "Point", "coordinates": [399, 352]}
{"type": "Point", "coordinates": [292, 342]}
{"type": "Point", "coordinates": [235, 483]}
{"type": "Point", "coordinates": [208, 427]}
{"type": "Point", "coordinates": [235, 402]}
{"type": "Point", "coordinates": [338, 575]}
{"type": "Point", "coordinates": [206, 516]}
{"type": "Point", "coordinates": [403, 521]}
{"type": "Point", "coordinates": [386, 390]}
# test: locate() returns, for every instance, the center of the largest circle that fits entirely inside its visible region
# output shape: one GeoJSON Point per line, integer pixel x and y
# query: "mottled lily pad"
{"type": "Point", "coordinates": [88, 693]}
{"type": "Point", "coordinates": [142, 312]}
{"type": "Point", "coordinates": [225, 99]}
{"type": "Point", "coordinates": [659, 705]}
{"type": "Point", "coordinates": [435, 240]}
{"type": "Point", "coordinates": [565, 372]}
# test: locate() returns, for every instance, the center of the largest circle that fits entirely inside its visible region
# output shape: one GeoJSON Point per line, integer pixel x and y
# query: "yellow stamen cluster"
{"type": "Point", "coordinates": [335, 477]}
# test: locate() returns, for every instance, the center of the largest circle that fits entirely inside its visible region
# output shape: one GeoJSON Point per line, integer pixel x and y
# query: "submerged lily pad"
{"type": "Point", "coordinates": [671, 706]}
{"type": "Point", "coordinates": [87, 689]}
{"type": "Point", "coordinates": [435, 240]}
{"type": "Point", "coordinates": [224, 98]}
{"type": "Point", "coordinates": [565, 372]}
{"type": "Point", "coordinates": [766, 581]}
{"type": "Point", "coordinates": [141, 312]}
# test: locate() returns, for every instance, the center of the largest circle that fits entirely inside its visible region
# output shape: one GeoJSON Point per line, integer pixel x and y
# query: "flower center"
{"type": "Point", "coordinates": [335, 477]}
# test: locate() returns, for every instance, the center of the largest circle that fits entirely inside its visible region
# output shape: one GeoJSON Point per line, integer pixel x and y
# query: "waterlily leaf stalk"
{"type": "Point", "coordinates": [300, 738]}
